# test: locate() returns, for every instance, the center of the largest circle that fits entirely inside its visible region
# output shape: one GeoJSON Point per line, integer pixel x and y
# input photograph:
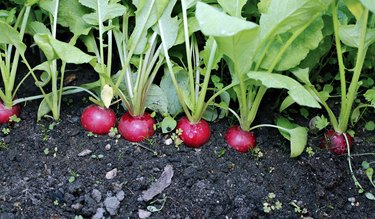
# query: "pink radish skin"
{"type": "Point", "coordinates": [5, 113]}
{"type": "Point", "coordinates": [136, 128]}
{"type": "Point", "coordinates": [97, 119]}
{"type": "Point", "coordinates": [194, 135]}
{"type": "Point", "coordinates": [240, 140]}
{"type": "Point", "coordinates": [335, 142]}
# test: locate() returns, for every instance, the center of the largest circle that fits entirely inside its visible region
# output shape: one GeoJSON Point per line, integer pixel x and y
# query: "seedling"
{"type": "Point", "coordinates": [73, 176]}
{"type": "Point", "coordinates": [220, 153]}
{"type": "Point", "coordinates": [6, 131]}
{"type": "Point", "coordinates": [310, 151]}
{"type": "Point", "coordinates": [112, 132]}
{"type": "Point", "coordinates": [297, 207]}
{"type": "Point", "coordinates": [97, 157]}
{"type": "Point", "coordinates": [271, 204]}
{"type": "Point", "coordinates": [91, 134]}
{"type": "Point", "coordinates": [161, 202]}
{"type": "Point", "coordinates": [3, 146]}
{"type": "Point", "coordinates": [257, 153]}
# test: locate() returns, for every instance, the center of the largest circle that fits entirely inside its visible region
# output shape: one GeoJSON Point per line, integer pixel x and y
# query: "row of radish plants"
{"type": "Point", "coordinates": [207, 55]}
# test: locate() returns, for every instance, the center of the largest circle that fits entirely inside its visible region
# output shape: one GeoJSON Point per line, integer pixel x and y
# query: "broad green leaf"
{"type": "Point", "coordinates": [308, 40]}
{"type": "Point", "coordinates": [45, 77]}
{"type": "Point", "coordinates": [157, 100]}
{"type": "Point", "coordinates": [106, 95]}
{"type": "Point", "coordinates": [49, 5]}
{"type": "Point", "coordinates": [232, 7]}
{"type": "Point", "coordinates": [302, 75]}
{"type": "Point", "coordinates": [350, 35]}
{"type": "Point", "coordinates": [209, 16]}
{"type": "Point", "coordinates": [295, 134]}
{"type": "Point", "coordinates": [205, 54]}
{"type": "Point", "coordinates": [355, 7]}
{"type": "Point", "coordinates": [103, 11]}
{"type": "Point", "coordinates": [298, 141]}
{"type": "Point", "coordinates": [295, 89]}
{"type": "Point", "coordinates": [193, 27]}
{"type": "Point", "coordinates": [36, 27]}
{"type": "Point", "coordinates": [370, 196]}
{"type": "Point", "coordinates": [369, 4]}
{"type": "Point", "coordinates": [71, 15]}
{"type": "Point", "coordinates": [283, 16]}
{"type": "Point", "coordinates": [174, 106]}
{"type": "Point", "coordinates": [55, 49]}
{"type": "Point", "coordinates": [147, 15]}
{"type": "Point", "coordinates": [168, 25]}
{"type": "Point", "coordinates": [44, 108]}
{"type": "Point", "coordinates": [168, 124]}
{"type": "Point", "coordinates": [370, 96]}
{"type": "Point", "coordinates": [10, 36]}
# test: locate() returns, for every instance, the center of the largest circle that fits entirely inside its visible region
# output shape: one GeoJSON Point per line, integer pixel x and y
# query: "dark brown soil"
{"type": "Point", "coordinates": [211, 182]}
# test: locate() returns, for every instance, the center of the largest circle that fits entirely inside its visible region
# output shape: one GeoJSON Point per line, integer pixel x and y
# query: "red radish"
{"type": "Point", "coordinates": [335, 142]}
{"type": "Point", "coordinates": [136, 128]}
{"type": "Point", "coordinates": [194, 134]}
{"type": "Point", "coordinates": [5, 113]}
{"type": "Point", "coordinates": [240, 140]}
{"type": "Point", "coordinates": [97, 119]}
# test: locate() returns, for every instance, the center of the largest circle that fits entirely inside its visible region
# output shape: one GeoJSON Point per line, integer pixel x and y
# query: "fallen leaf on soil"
{"type": "Point", "coordinates": [84, 153]}
{"type": "Point", "coordinates": [143, 213]}
{"type": "Point", "coordinates": [111, 174]}
{"type": "Point", "coordinates": [157, 187]}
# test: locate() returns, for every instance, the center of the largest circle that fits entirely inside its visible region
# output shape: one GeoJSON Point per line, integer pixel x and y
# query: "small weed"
{"type": "Point", "coordinates": [46, 151]}
{"type": "Point", "coordinates": [257, 153]}
{"type": "Point", "coordinates": [160, 202]}
{"type": "Point", "coordinates": [56, 202]}
{"type": "Point", "coordinates": [6, 131]}
{"type": "Point", "coordinates": [78, 217]}
{"type": "Point", "coordinates": [176, 138]}
{"type": "Point", "coordinates": [3, 146]}
{"type": "Point", "coordinates": [90, 134]}
{"type": "Point", "coordinates": [220, 153]}
{"type": "Point", "coordinates": [97, 157]}
{"type": "Point", "coordinates": [310, 151]}
{"type": "Point", "coordinates": [14, 118]}
{"type": "Point", "coordinates": [271, 204]}
{"type": "Point", "coordinates": [297, 207]}
{"type": "Point", "coordinates": [113, 132]}
{"type": "Point", "coordinates": [73, 176]}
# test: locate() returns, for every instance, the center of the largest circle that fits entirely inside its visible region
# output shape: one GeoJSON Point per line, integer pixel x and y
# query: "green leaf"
{"type": "Point", "coordinates": [209, 16]}
{"type": "Point", "coordinates": [168, 124]}
{"type": "Point", "coordinates": [71, 15]}
{"type": "Point", "coordinates": [283, 16]}
{"type": "Point", "coordinates": [355, 7]}
{"type": "Point", "coordinates": [320, 122]}
{"type": "Point", "coordinates": [44, 108]}
{"type": "Point", "coordinates": [36, 27]}
{"type": "Point", "coordinates": [147, 15]}
{"type": "Point", "coordinates": [295, 90]}
{"type": "Point", "coordinates": [370, 126]}
{"type": "Point", "coordinates": [370, 96]}
{"type": "Point", "coordinates": [298, 50]}
{"type": "Point", "coordinates": [302, 74]}
{"type": "Point", "coordinates": [103, 11]}
{"type": "Point", "coordinates": [350, 35]}
{"type": "Point", "coordinates": [205, 54]}
{"type": "Point", "coordinates": [174, 106]}
{"type": "Point", "coordinates": [365, 165]}
{"type": "Point", "coordinates": [10, 36]}
{"type": "Point", "coordinates": [370, 196]}
{"type": "Point", "coordinates": [232, 7]}
{"type": "Point", "coordinates": [55, 49]}
{"type": "Point", "coordinates": [369, 173]}
{"type": "Point", "coordinates": [370, 4]}
{"type": "Point", "coordinates": [168, 26]}
{"type": "Point", "coordinates": [157, 100]}
{"type": "Point", "coordinates": [295, 134]}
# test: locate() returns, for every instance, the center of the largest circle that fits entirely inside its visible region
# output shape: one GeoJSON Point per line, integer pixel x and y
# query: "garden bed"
{"type": "Point", "coordinates": [42, 175]}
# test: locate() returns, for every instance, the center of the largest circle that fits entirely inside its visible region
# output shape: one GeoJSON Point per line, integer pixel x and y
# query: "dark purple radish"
{"type": "Point", "coordinates": [136, 128]}
{"type": "Point", "coordinates": [6, 113]}
{"type": "Point", "coordinates": [97, 119]}
{"type": "Point", "coordinates": [240, 140]}
{"type": "Point", "coordinates": [194, 134]}
{"type": "Point", "coordinates": [335, 142]}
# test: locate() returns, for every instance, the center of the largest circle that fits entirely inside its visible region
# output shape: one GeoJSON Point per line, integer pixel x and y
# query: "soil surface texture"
{"type": "Point", "coordinates": [57, 170]}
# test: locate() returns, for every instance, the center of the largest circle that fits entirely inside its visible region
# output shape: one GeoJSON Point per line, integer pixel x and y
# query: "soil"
{"type": "Point", "coordinates": [211, 182]}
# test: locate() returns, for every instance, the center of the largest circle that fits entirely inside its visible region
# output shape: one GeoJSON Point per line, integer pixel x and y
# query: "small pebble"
{"type": "Point", "coordinates": [96, 195]}
{"type": "Point", "coordinates": [120, 195]}
{"type": "Point", "coordinates": [84, 153]}
{"type": "Point", "coordinates": [168, 141]}
{"type": "Point", "coordinates": [108, 147]}
{"type": "Point", "coordinates": [111, 174]}
{"type": "Point", "coordinates": [143, 213]}
{"type": "Point", "coordinates": [112, 205]}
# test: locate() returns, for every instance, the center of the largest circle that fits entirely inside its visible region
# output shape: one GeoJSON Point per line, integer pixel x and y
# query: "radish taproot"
{"type": "Point", "coordinates": [136, 128]}
{"type": "Point", "coordinates": [335, 142]}
{"type": "Point", "coordinates": [240, 140]}
{"type": "Point", "coordinates": [97, 119]}
{"type": "Point", "coordinates": [6, 113]}
{"type": "Point", "coordinates": [194, 134]}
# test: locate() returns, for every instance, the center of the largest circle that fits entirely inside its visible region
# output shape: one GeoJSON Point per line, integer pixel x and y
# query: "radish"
{"type": "Point", "coordinates": [6, 113]}
{"type": "Point", "coordinates": [97, 119]}
{"type": "Point", "coordinates": [194, 134]}
{"type": "Point", "coordinates": [335, 142]}
{"type": "Point", "coordinates": [136, 128]}
{"type": "Point", "coordinates": [240, 140]}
